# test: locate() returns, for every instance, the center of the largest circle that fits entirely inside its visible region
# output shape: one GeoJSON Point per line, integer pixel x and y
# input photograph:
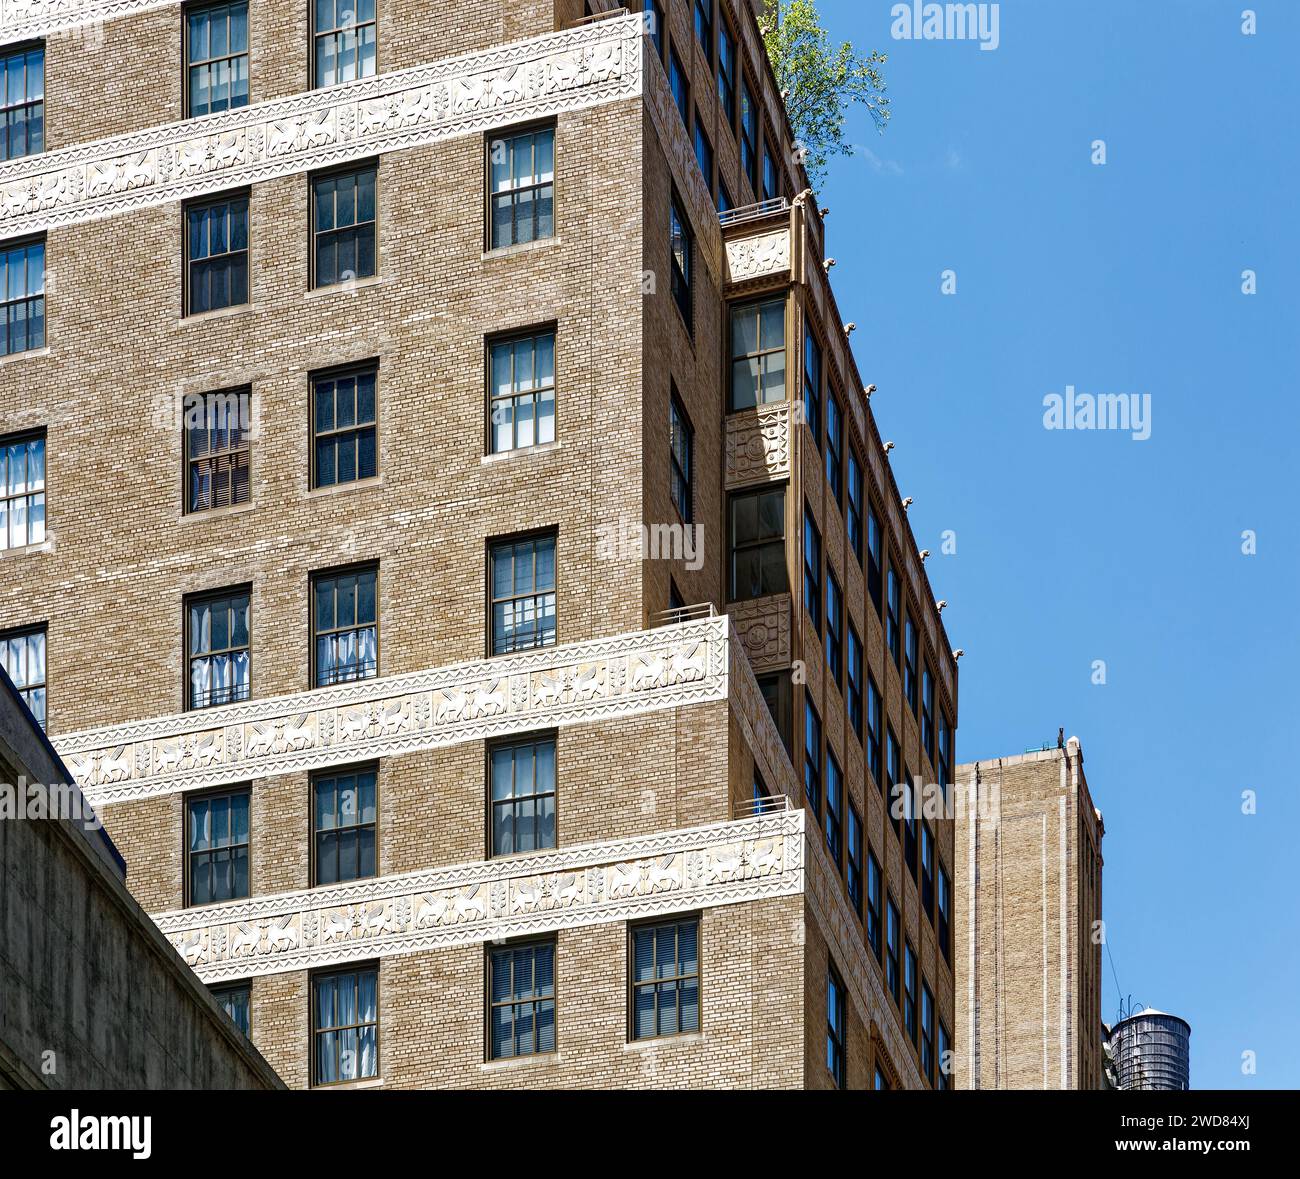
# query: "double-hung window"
{"type": "Point", "coordinates": [835, 448]}
{"type": "Point", "coordinates": [875, 731]}
{"type": "Point", "coordinates": [727, 71]}
{"type": "Point", "coordinates": [679, 86]}
{"type": "Point", "coordinates": [927, 1033]}
{"type": "Point", "coordinates": [875, 556]}
{"type": "Point", "coordinates": [216, 253]}
{"type": "Point", "coordinates": [217, 449]}
{"type": "Point", "coordinates": [523, 795]}
{"type": "Point", "coordinates": [812, 386]}
{"type": "Point", "coordinates": [853, 872]}
{"type": "Point", "coordinates": [853, 516]}
{"type": "Point", "coordinates": [216, 57]}
{"type": "Point", "coordinates": [875, 886]}
{"type": "Point", "coordinates": [893, 620]}
{"type": "Point", "coordinates": [892, 936]}
{"type": "Point", "coordinates": [927, 869]}
{"type": "Point", "coordinates": [835, 1033]}
{"type": "Point", "coordinates": [521, 998]}
{"type": "Point", "coordinates": [236, 999]}
{"type": "Point", "coordinates": [681, 443]}
{"type": "Point", "coordinates": [909, 991]}
{"type": "Point", "coordinates": [855, 690]}
{"type": "Point", "coordinates": [834, 808]}
{"type": "Point", "coordinates": [22, 490]}
{"type": "Point", "coordinates": [812, 571]}
{"type": "Point", "coordinates": [681, 243]}
{"type": "Point", "coordinates": [522, 173]}
{"type": "Point", "coordinates": [22, 102]}
{"type": "Point", "coordinates": [834, 628]}
{"type": "Point", "coordinates": [219, 649]}
{"type": "Point", "coordinates": [522, 585]}
{"type": "Point", "coordinates": [22, 296]}
{"type": "Point", "coordinates": [343, 41]}
{"type": "Point", "coordinates": [345, 426]}
{"type": "Point", "coordinates": [345, 1025]}
{"type": "Point", "coordinates": [812, 760]}
{"type": "Point", "coordinates": [665, 979]}
{"type": "Point", "coordinates": [757, 354]}
{"type": "Point", "coordinates": [343, 226]}
{"type": "Point", "coordinates": [344, 823]}
{"type": "Point", "coordinates": [522, 395]}
{"type": "Point", "coordinates": [345, 626]}
{"type": "Point", "coordinates": [748, 135]}
{"type": "Point", "coordinates": [22, 655]}
{"type": "Point", "coordinates": [216, 849]}
{"type": "Point", "coordinates": [757, 537]}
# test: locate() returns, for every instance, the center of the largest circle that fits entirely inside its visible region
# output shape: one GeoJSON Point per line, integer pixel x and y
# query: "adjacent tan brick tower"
{"type": "Point", "coordinates": [1029, 923]}
{"type": "Point", "coordinates": [448, 536]}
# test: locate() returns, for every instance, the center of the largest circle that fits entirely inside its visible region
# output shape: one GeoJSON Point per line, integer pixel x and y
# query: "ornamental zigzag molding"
{"type": "Point", "coordinates": [21, 19]}
{"type": "Point", "coordinates": [620, 880]}
{"type": "Point", "coordinates": [565, 71]}
{"type": "Point", "coordinates": [577, 683]}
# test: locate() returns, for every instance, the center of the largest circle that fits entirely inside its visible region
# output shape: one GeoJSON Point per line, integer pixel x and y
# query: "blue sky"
{"type": "Point", "coordinates": [1077, 546]}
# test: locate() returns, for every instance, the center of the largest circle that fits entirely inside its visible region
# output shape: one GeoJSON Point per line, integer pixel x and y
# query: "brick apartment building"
{"type": "Point", "coordinates": [345, 355]}
{"type": "Point", "coordinates": [1028, 875]}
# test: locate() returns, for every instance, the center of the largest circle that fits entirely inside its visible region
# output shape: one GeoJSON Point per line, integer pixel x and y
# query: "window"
{"type": "Point", "coordinates": [875, 727]}
{"type": "Point", "coordinates": [855, 682]}
{"type": "Point", "coordinates": [344, 822]}
{"type": "Point", "coordinates": [704, 26]}
{"type": "Point", "coordinates": [345, 431]}
{"type": "Point", "coordinates": [523, 796]}
{"type": "Point", "coordinates": [874, 888]}
{"type": "Point", "coordinates": [521, 993]}
{"type": "Point", "coordinates": [22, 102]}
{"type": "Point", "coordinates": [236, 1001]}
{"type": "Point", "coordinates": [727, 71]}
{"type": "Point", "coordinates": [654, 17]}
{"type": "Point", "coordinates": [909, 991]}
{"type": "Point", "coordinates": [895, 609]}
{"type": "Point", "coordinates": [812, 386]}
{"type": "Point", "coordinates": [345, 626]}
{"type": "Point", "coordinates": [909, 824]}
{"type": "Point", "coordinates": [748, 135]}
{"type": "Point", "coordinates": [771, 184]}
{"type": "Point", "coordinates": [835, 448]}
{"type": "Point", "coordinates": [22, 655]}
{"type": "Point", "coordinates": [22, 296]}
{"type": "Point", "coordinates": [927, 1033]}
{"type": "Point", "coordinates": [343, 41]}
{"type": "Point", "coordinates": [681, 442]}
{"type": "Point", "coordinates": [853, 521]}
{"type": "Point", "coordinates": [895, 756]}
{"type": "Point", "coordinates": [725, 203]}
{"type": "Point", "coordinates": [882, 1081]}
{"type": "Point", "coordinates": [523, 594]}
{"type": "Point", "coordinates": [891, 949]}
{"type": "Point", "coordinates": [812, 570]}
{"type": "Point", "coordinates": [217, 449]}
{"type": "Point", "coordinates": [834, 808]}
{"type": "Point", "coordinates": [679, 86]}
{"type": "Point", "coordinates": [834, 628]}
{"type": "Point", "coordinates": [778, 695]}
{"type": "Point", "coordinates": [217, 253]}
{"type": "Point", "coordinates": [945, 1050]}
{"type": "Point", "coordinates": [703, 152]}
{"type": "Point", "coordinates": [927, 870]}
{"type": "Point", "coordinates": [218, 648]}
{"type": "Point", "coordinates": [665, 979]}
{"type": "Point", "coordinates": [944, 754]}
{"type": "Point", "coordinates": [522, 394]}
{"type": "Point", "coordinates": [681, 244]}
{"type": "Point", "coordinates": [345, 1026]}
{"type": "Point", "coordinates": [944, 923]}
{"type": "Point", "coordinates": [216, 850]}
{"type": "Point", "coordinates": [812, 760]}
{"type": "Point", "coordinates": [343, 226]}
{"type": "Point", "coordinates": [758, 543]}
{"type": "Point", "coordinates": [835, 1027]}
{"type": "Point", "coordinates": [927, 712]}
{"type": "Point", "coordinates": [22, 490]}
{"type": "Point", "coordinates": [909, 664]}
{"type": "Point", "coordinates": [757, 354]}
{"type": "Point", "coordinates": [523, 188]}
{"type": "Point", "coordinates": [853, 875]}
{"type": "Point", "coordinates": [216, 58]}
{"type": "Point", "coordinates": [875, 560]}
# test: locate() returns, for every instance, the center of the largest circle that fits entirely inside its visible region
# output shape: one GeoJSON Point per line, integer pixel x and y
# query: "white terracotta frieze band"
{"type": "Point", "coordinates": [23, 19]}
{"type": "Point", "coordinates": [619, 880]}
{"type": "Point", "coordinates": [570, 70]}
{"type": "Point", "coordinates": [572, 684]}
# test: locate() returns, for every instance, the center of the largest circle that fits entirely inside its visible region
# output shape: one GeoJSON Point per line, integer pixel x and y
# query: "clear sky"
{"type": "Point", "coordinates": [1075, 546]}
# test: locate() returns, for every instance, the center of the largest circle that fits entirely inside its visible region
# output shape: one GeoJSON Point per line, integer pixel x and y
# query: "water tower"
{"type": "Point", "coordinates": [1151, 1051]}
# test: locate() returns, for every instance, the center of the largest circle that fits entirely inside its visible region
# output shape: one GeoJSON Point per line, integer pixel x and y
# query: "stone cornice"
{"type": "Point", "coordinates": [620, 880]}
{"type": "Point", "coordinates": [573, 684]}
{"type": "Point", "coordinates": [21, 19]}
{"type": "Point", "coordinates": [570, 70]}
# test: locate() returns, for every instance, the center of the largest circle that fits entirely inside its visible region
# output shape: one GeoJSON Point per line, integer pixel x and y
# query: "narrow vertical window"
{"type": "Point", "coordinates": [345, 425]}
{"type": "Point", "coordinates": [893, 621]}
{"type": "Point", "coordinates": [665, 979]}
{"type": "Point", "coordinates": [216, 57]}
{"type": "Point", "coordinates": [522, 393]}
{"type": "Point", "coordinates": [22, 296]}
{"type": "Point", "coordinates": [834, 808]}
{"type": "Point", "coordinates": [812, 760]}
{"type": "Point", "coordinates": [521, 993]}
{"type": "Point", "coordinates": [875, 731]}
{"type": "Point", "coordinates": [812, 571]}
{"type": "Point", "coordinates": [217, 449]}
{"type": "Point", "coordinates": [853, 869]}
{"type": "Point", "coordinates": [704, 27]}
{"type": "Point", "coordinates": [217, 629]}
{"type": "Point", "coordinates": [727, 71]}
{"type": "Point", "coordinates": [835, 448]}
{"type": "Point", "coordinates": [927, 870]}
{"type": "Point", "coordinates": [344, 825]}
{"type": "Point", "coordinates": [703, 152]}
{"type": "Point", "coordinates": [345, 626]}
{"type": "Point", "coordinates": [343, 41]}
{"type": "Point", "coordinates": [725, 203]}
{"type": "Point", "coordinates": [523, 796]}
{"type": "Point", "coordinates": [927, 1033]}
{"type": "Point", "coordinates": [681, 90]}
{"type": "Point", "coordinates": [22, 655]}
{"type": "Point", "coordinates": [757, 535]}
{"type": "Point", "coordinates": [22, 490]}
{"type": "Point", "coordinates": [894, 756]}
{"type": "Point", "coordinates": [345, 1026]}
{"type": "Point", "coordinates": [875, 557]}
{"type": "Point", "coordinates": [777, 695]}
{"type": "Point", "coordinates": [22, 102]}
{"type": "Point", "coordinates": [835, 1037]}
{"type": "Point", "coordinates": [522, 169]}
{"type": "Point", "coordinates": [927, 713]}
{"type": "Point", "coordinates": [910, 654]}
{"type": "Point", "coordinates": [855, 682]}
{"type": "Point", "coordinates": [909, 991]}
{"type": "Point", "coordinates": [944, 1062]}
{"type": "Point", "coordinates": [812, 385]}
{"type": "Point", "coordinates": [943, 930]}
{"type": "Point", "coordinates": [216, 850]}
{"type": "Point", "coordinates": [236, 1001]}
{"type": "Point", "coordinates": [681, 245]}
{"type": "Point", "coordinates": [875, 886]}
{"type": "Point", "coordinates": [681, 443]}
{"type": "Point", "coordinates": [654, 18]}
{"type": "Point", "coordinates": [882, 1082]}
{"type": "Point", "coordinates": [522, 582]}
{"type": "Point", "coordinates": [749, 136]}
{"type": "Point", "coordinates": [892, 935]}
{"type": "Point", "coordinates": [834, 628]}
{"type": "Point", "coordinates": [343, 226]}
{"type": "Point", "coordinates": [757, 354]}
{"type": "Point", "coordinates": [216, 253]}
{"type": "Point", "coordinates": [771, 182]}
{"type": "Point", "coordinates": [944, 754]}
{"type": "Point", "coordinates": [853, 518]}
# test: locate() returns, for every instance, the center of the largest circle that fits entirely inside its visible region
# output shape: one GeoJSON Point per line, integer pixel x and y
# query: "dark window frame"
{"type": "Point", "coordinates": [333, 573]}
{"type": "Point", "coordinates": [221, 991]}
{"type": "Point", "coordinates": [339, 434]}
{"type": "Point", "coordinates": [875, 915]}
{"type": "Point", "coordinates": [682, 271]}
{"type": "Point", "coordinates": [836, 1029]}
{"type": "Point", "coordinates": [334, 772]}
{"type": "Point", "coordinates": [514, 539]}
{"type": "Point", "coordinates": [776, 543]}
{"type": "Point", "coordinates": [834, 627]}
{"type": "Point", "coordinates": [812, 570]}
{"type": "Point", "coordinates": [855, 491]}
{"type": "Point", "coordinates": [232, 198]}
{"type": "Point", "coordinates": [813, 734]}
{"type": "Point", "coordinates": [492, 954]}
{"type": "Point", "coordinates": [28, 686]}
{"type": "Point", "coordinates": [25, 104]}
{"type": "Point", "coordinates": [220, 463]}
{"type": "Point", "coordinates": [835, 446]}
{"type": "Point", "coordinates": [192, 798]}
{"type": "Point", "coordinates": [315, 37]}
{"type": "Point", "coordinates": [209, 597]}
{"type": "Point", "coordinates": [656, 925]}
{"type": "Point", "coordinates": [855, 669]}
{"type": "Point", "coordinates": [893, 951]}
{"type": "Point", "coordinates": [681, 472]}
{"type": "Point", "coordinates": [763, 358]}
{"type": "Point", "coordinates": [356, 970]}
{"type": "Point", "coordinates": [835, 801]}
{"type": "Point", "coordinates": [188, 66]}
{"type": "Point", "coordinates": [537, 190]}
{"type": "Point", "coordinates": [853, 843]}
{"type": "Point", "coordinates": [515, 398]}
{"type": "Point", "coordinates": [31, 497]}
{"type": "Point", "coordinates": [513, 742]}
{"type": "Point", "coordinates": [31, 303]}
{"type": "Point", "coordinates": [911, 978]}
{"type": "Point", "coordinates": [337, 232]}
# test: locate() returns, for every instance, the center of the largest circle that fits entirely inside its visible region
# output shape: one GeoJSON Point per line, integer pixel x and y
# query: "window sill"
{"type": "Point", "coordinates": [368, 1083]}
{"type": "Point", "coordinates": [553, 1059]}
{"type": "Point", "coordinates": [520, 452]}
{"type": "Point", "coordinates": [344, 488]}
{"type": "Point", "coordinates": [652, 1042]}
{"type": "Point", "coordinates": [28, 354]}
{"type": "Point", "coordinates": [542, 243]}
{"type": "Point", "coordinates": [28, 550]}
{"type": "Point", "coordinates": [219, 314]}
{"type": "Point", "coordinates": [353, 287]}
{"type": "Point", "coordinates": [216, 513]}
